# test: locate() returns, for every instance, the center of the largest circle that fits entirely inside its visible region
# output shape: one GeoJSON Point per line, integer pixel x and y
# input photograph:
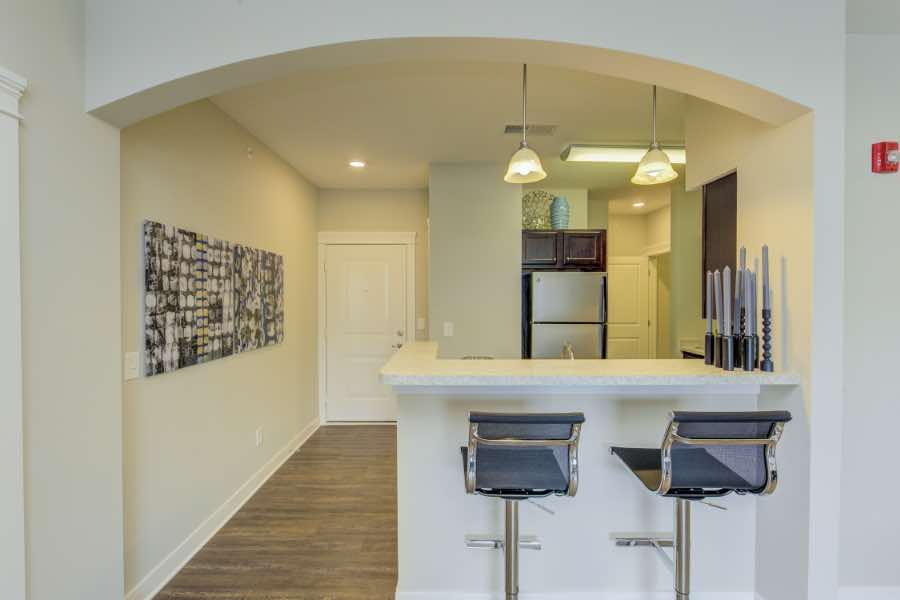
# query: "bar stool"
{"type": "Point", "coordinates": [704, 455]}
{"type": "Point", "coordinates": [516, 457]}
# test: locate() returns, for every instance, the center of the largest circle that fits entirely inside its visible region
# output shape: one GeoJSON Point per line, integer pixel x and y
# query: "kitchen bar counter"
{"type": "Point", "coordinates": [625, 402]}
{"type": "Point", "coordinates": [417, 365]}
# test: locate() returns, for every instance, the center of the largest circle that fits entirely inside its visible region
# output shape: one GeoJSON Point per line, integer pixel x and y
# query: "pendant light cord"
{"type": "Point", "coordinates": [524, 101]}
{"type": "Point", "coordinates": [653, 143]}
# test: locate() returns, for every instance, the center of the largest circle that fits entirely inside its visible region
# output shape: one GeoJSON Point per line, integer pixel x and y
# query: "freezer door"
{"type": "Point", "coordinates": [548, 340]}
{"type": "Point", "coordinates": [568, 297]}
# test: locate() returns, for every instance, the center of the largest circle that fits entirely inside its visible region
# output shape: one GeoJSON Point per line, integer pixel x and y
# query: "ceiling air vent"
{"type": "Point", "coordinates": [533, 129]}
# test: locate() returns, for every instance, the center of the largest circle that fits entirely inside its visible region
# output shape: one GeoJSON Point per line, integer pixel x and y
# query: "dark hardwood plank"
{"type": "Point", "coordinates": [324, 527]}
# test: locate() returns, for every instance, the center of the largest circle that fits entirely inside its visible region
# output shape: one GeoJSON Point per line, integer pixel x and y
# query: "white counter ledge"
{"type": "Point", "coordinates": [417, 366]}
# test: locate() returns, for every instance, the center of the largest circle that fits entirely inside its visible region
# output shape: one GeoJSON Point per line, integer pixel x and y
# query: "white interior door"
{"type": "Point", "coordinates": [365, 322]}
{"type": "Point", "coordinates": [629, 316]}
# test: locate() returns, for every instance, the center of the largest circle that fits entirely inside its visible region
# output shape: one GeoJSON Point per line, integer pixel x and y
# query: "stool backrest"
{"type": "Point", "coordinates": [724, 451]}
{"type": "Point", "coordinates": [561, 431]}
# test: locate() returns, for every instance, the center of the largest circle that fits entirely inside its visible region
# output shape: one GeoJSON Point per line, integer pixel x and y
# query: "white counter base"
{"type": "Point", "coordinates": [624, 404]}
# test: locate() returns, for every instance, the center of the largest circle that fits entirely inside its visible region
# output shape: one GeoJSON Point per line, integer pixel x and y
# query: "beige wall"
{"type": "Point", "coordinates": [476, 259]}
{"type": "Point", "coordinates": [383, 210]}
{"type": "Point", "coordinates": [775, 203]}
{"type": "Point", "coordinates": [189, 436]}
{"type": "Point", "coordinates": [659, 230]}
{"type": "Point", "coordinates": [870, 522]}
{"type": "Point", "coordinates": [626, 235]}
{"type": "Point", "coordinates": [686, 236]}
{"type": "Point", "coordinates": [665, 347]}
{"type": "Point", "coordinates": [69, 228]}
{"type": "Point", "coordinates": [598, 210]}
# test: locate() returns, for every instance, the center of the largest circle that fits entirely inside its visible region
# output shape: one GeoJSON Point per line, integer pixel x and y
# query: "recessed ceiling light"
{"type": "Point", "coordinates": [638, 204]}
{"type": "Point", "coordinates": [357, 164]}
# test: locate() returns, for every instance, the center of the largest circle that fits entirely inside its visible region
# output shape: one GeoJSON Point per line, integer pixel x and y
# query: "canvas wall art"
{"type": "Point", "coordinates": [206, 298]}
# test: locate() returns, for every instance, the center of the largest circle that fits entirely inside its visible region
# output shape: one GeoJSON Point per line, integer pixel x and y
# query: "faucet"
{"type": "Point", "coordinates": [568, 351]}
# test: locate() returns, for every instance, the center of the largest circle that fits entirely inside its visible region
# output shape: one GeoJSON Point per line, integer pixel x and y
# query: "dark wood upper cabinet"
{"type": "Point", "coordinates": [575, 249]}
{"type": "Point", "coordinates": [583, 248]}
{"type": "Point", "coordinates": [540, 248]}
{"type": "Point", "coordinates": [719, 229]}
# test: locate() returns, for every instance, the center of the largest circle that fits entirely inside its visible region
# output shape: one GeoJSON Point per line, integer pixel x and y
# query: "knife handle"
{"type": "Point", "coordinates": [709, 349]}
{"type": "Point", "coordinates": [728, 358]}
{"type": "Point", "coordinates": [749, 356]}
{"type": "Point", "coordinates": [738, 350]}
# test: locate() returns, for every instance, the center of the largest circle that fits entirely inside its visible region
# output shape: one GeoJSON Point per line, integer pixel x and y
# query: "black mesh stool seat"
{"type": "Point", "coordinates": [520, 456]}
{"type": "Point", "coordinates": [704, 455]}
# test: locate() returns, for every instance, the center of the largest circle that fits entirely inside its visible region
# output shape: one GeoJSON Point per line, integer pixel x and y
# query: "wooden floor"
{"type": "Point", "coordinates": [324, 527]}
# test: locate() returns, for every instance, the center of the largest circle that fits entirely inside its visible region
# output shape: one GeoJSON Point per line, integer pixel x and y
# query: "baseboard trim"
{"type": "Point", "coordinates": [168, 567]}
{"type": "Point", "coordinates": [598, 595]}
{"type": "Point", "coordinates": [869, 593]}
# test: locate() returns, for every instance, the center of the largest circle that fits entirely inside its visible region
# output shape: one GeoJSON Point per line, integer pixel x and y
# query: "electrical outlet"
{"type": "Point", "coordinates": [448, 329]}
{"type": "Point", "coordinates": [132, 364]}
{"type": "Point", "coordinates": [259, 437]}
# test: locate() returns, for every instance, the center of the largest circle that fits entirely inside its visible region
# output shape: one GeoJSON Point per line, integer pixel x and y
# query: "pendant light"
{"type": "Point", "coordinates": [655, 167]}
{"type": "Point", "coordinates": [525, 164]}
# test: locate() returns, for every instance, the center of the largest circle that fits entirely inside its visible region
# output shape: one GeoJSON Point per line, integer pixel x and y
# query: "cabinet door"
{"type": "Point", "coordinates": [584, 249]}
{"type": "Point", "coordinates": [540, 249]}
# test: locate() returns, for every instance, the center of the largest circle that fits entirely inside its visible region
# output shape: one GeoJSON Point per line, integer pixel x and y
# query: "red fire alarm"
{"type": "Point", "coordinates": [885, 157]}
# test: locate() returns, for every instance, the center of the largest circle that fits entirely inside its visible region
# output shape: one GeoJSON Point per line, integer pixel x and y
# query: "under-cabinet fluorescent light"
{"type": "Point", "coordinates": [616, 154]}
{"type": "Point", "coordinates": [357, 164]}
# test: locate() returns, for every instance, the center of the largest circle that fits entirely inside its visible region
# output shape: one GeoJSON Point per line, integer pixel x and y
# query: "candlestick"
{"type": "Point", "coordinates": [755, 333]}
{"type": "Point", "coordinates": [709, 352]}
{"type": "Point", "coordinates": [726, 300]}
{"type": "Point", "coordinates": [720, 326]}
{"type": "Point", "coordinates": [765, 286]}
{"type": "Point", "coordinates": [727, 339]}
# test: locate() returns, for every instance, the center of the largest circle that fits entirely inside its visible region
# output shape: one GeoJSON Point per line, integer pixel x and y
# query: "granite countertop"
{"type": "Point", "coordinates": [417, 364]}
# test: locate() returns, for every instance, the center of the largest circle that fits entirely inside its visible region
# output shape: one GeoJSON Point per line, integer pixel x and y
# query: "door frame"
{"type": "Point", "coordinates": [12, 434]}
{"type": "Point", "coordinates": [362, 238]}
{"type": "Point", "coordinates": [652, 305]}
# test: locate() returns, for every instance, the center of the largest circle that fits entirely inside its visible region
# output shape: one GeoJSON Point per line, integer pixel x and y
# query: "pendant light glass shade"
{"type": "Point", "coordinates": [655, 167]}
{"type": "Point", "coordinates": [525, 164]}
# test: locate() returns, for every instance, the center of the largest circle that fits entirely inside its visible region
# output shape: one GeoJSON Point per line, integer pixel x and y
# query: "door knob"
{"type": "Point", "coordinates": [399, 333]}
{"type": "Point", "coordinates": [397, 346]}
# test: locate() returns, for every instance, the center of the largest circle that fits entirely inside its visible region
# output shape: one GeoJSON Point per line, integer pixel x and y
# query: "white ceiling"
{"type": "Point", "coordinates": [399, 117]}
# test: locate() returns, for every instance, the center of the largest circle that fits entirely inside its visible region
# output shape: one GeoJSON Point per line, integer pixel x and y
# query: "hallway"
{"type": "Point", "coordinates": [324, 527]}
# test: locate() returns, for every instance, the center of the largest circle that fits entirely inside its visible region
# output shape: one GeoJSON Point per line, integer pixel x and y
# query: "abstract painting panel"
{"type": "Point", "coordinates": [206, 299]}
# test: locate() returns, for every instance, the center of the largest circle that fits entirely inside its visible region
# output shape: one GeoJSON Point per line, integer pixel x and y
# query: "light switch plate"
{"type": "Point", "coordinates": [448, 329]}
{"type": "Point", "coordinates": [420, 324]}
{"type": "Point", "coordinates": [132, 365]}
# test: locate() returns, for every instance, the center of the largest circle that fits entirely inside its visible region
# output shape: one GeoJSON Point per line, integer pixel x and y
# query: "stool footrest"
{"type": "Point", "coordinates": [657, 542]}
{"type": "Point", "coordinates": [636, 540]}
{"type": "Point", "coordinates": [487, 542]}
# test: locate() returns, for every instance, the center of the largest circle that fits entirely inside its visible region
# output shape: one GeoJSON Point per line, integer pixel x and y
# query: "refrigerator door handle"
{"type": "Point", "coordinates": [603, 299]}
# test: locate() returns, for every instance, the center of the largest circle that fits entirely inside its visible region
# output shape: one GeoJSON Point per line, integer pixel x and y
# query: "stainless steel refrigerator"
{"type": "Point", "coordinates": [568, 314]}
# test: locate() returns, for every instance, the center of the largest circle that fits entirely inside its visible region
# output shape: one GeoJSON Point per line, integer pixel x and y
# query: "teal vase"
{"type": "Point", "coordinates": [559, 213]}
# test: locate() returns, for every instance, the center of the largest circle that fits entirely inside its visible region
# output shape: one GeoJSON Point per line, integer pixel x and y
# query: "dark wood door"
{"type": "Point", "coordinates": [719, 229]}
{"type": "Point", "coordinates": [540, 248]}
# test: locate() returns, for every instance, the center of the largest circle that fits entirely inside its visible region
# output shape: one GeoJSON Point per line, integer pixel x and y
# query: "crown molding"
{"type": "Point", "coordinates": [12, 86]}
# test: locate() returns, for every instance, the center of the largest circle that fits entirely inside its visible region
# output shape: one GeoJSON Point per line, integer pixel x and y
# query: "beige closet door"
{"type": "Point", "coordinates": [629, 316]}
{"type": "Point", "coordinates": [365, 316]}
